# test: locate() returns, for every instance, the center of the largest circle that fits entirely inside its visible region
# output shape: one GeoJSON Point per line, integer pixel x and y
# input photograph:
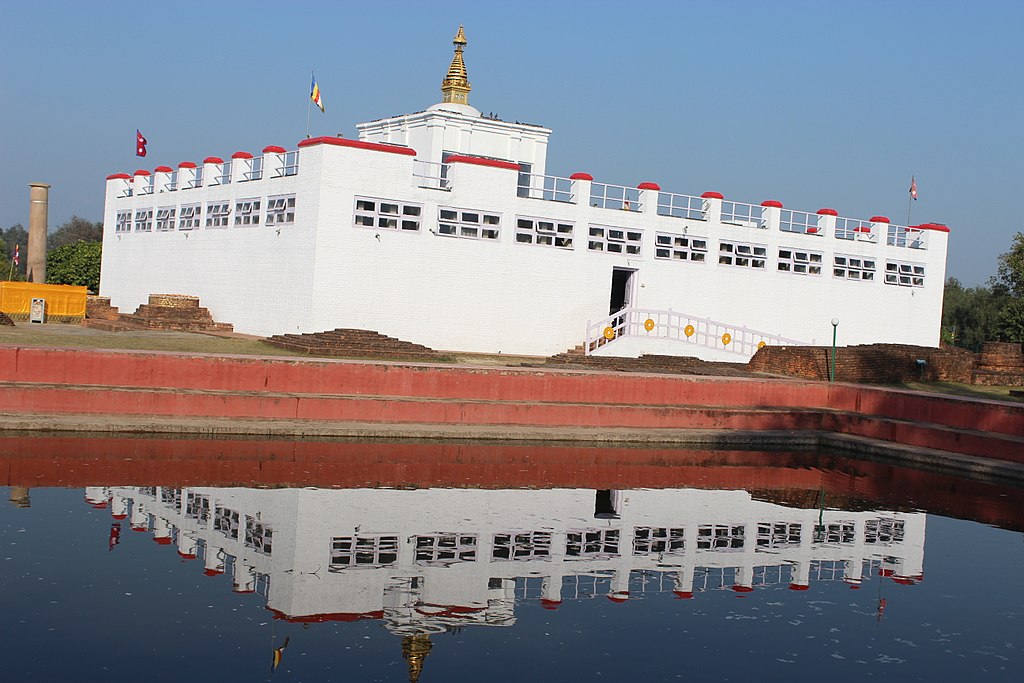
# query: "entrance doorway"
{"type": "Point", "coordinates": [622, 289]}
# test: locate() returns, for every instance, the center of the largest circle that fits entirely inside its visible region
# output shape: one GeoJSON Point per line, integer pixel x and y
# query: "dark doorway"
{"type": "Point", "coordinates": [606, 504]}
{"type": "Point", "coordinates": [622, 289]}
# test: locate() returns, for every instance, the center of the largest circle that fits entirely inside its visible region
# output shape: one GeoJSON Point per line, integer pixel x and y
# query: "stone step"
{"type": "Point", "coordinates": [177, 401]}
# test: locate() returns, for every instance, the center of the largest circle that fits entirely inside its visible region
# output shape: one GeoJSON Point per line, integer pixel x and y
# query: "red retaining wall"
{"type": "Point", "coordinates": [248, 387]}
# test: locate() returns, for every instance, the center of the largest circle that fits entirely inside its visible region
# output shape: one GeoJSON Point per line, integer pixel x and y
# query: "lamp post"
{"type": "Point", "coordinates": [832, 370]}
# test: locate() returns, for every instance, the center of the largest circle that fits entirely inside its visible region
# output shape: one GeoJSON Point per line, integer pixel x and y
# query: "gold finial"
{"type": "Point", "coordinates": [455, 87]}
{"type": "Point", "coordinates": [414, 651]}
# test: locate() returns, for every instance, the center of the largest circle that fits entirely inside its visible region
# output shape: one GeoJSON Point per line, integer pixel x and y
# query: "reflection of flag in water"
{"type": "Point", "coordinates": [115, 535]}
{"type": "Point", "coordinates": [278, 654]}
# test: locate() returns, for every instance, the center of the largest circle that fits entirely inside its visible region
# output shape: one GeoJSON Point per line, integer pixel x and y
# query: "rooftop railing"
{"type": "Point", "coordinates": [743, 215]}
{"type": "Point", "coordinates": [431, 175]}
{"type": "Point", "coordinates": [682, 206]}
{"type": "Point", "coordinates": [547, 187]}
{"type": "Point", "coordinates": [617, 197]}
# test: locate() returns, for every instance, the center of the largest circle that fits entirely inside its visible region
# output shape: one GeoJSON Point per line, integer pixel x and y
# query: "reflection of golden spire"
{"type": "Point", "coordinates": [19, 496]}
{"type": "Point", "coordinates": [455, 87]}
{"type": "Point", "coordinates": [416, 648]}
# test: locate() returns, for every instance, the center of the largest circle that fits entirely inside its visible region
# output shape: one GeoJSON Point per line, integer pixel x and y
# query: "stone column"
{"type": "Point", "coordinates": [39, 201]}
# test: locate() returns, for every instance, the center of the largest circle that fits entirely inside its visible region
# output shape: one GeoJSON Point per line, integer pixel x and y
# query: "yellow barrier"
{"type": "Point", "coordinates": [61, 300]}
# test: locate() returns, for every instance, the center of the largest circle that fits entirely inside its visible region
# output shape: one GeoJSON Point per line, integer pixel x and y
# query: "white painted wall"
{"type": "Point", "coordinates": [488, 296]}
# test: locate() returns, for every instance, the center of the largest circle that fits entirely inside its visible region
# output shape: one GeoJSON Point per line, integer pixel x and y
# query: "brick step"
{"type": "Point", "coordinates": [300, 377]}
{"type": "Point", "coordinates": [999, 379]}
{"type": "Point", "coordinates": [351, 342]}
{"type": "Point", "coordinates": [22, 398]}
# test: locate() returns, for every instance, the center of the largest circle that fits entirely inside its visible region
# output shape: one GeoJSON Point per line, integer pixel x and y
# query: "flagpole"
{"type": "Point", "coordinates": [910, 205]}
{"type": "Point", "coordinates": [309, 104]}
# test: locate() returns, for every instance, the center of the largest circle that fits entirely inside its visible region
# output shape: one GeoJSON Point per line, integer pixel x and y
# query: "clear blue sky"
{"type": "Point", "coordinates": [816, 104]}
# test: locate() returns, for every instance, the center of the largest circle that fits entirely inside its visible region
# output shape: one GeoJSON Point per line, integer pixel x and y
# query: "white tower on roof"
{"type": "Point", "coordinates": [453, 127]}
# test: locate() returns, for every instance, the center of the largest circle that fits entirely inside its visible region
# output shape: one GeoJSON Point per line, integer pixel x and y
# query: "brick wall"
{"type": "Point", "coordinates": [1000, 364]}
{"type": "Point", "coordinates": [873, 363]}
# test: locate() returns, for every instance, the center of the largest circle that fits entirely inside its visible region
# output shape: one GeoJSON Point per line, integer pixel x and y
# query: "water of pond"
{"type": "Point", "coordinates": [442, 562]}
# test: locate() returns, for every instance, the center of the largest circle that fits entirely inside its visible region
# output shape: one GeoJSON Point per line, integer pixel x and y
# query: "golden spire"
{"type": "Point", "coordinates": [416, 648]}
{"type": "Point", "coordinates": [455, 87]}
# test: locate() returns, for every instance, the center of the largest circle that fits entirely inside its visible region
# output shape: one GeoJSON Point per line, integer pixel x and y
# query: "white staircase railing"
{"type": "Point", "coordinates": [681, 327]}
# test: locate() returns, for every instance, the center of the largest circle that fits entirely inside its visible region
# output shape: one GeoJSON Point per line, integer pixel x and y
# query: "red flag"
{"type": "Point", "coordinates": [913, 188]}
{"type": "Point", "coordinates": [17, 254]}
{"type": "Point", "coordinates": [140, 144]}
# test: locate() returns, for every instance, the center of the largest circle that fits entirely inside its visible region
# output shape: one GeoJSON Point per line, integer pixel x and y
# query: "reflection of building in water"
{"type": "Point", "coordinates": [427, 560]}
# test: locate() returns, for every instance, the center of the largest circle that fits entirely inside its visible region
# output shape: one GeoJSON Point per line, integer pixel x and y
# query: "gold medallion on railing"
{"type": "Point", "coordinates": [609, 333]}
{"type": "Point", "coordinates": [726, 338]}
{"type": "Point", "coordinates": [688, 330]}
{"type": "Point", "coordinates": [648, 324]}
{"type": "Point", "coordinates": [761, 345]}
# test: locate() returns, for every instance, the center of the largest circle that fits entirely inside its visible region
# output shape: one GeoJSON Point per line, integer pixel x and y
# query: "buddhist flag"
{"type": "Point", "coordinates": [140, 144]}
{"type": "Point", "coordinates": [913, 188]}
{"type": "Point", "coordinates": [17, 254]}
{"type": "Point", "coordinates": [314, 94]}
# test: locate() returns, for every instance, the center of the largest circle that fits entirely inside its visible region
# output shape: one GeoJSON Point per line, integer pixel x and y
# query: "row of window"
{"type": "Point", "coordinates": [394, 215]}
{"type": "Point", "coordinates": [449, 548]}
{"type": "Point", "coordinates": [219, 214]}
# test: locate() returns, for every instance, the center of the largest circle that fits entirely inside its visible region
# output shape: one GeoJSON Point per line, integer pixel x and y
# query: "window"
{"type": "Point", "coordinates": [742, 255]}
{"type": "Point", "coordinates": [217, 214]}
{"type": "Point", "coordinates": [258, 535]}
{"type": "Point", "coordinates": [468, 224]}
{"type": "Point", "coordinates": [171, 497]}
{"type": "Point", "coordinates": [800, 262]}
{"type": "Point", "coordinates": [904, 274]}
{"type": "Point", "coordinates": [197, 180]}
{"type": "Point", "coordinates": [444, 549]}
{"type": "Point", "coordinates": [281, 210]}
{"type": "Point", "coordinates": [544, 233]}
{"type": "Point", "coordinates": [528, 545]}
{"type": "Point", "coordinates": [883, 531]}
{"type": "Point", "coordinates": [680, 247]}
{"type": "Point", "coordinates": [189, 217]}
{"type": "Point", "coordinates": [853, 268]}
{"type": "Point", "coordinates": [592, 543]}
{"type": "Point", "coordinates": [165, 218]}
{"type": "Point", "coordinates": [778, 534]}
{"type": "Point", "coordinates": [652, 540]}
{"type": "Point", "coordinates": [172, 181]}
{"type": "Point", "coordinates": [389, 215]}
{"type": "Point", "coordinates": [197, 507]}
{"type": "Point", "coordinates": [363, 551]}
{"type": "Point", "coordinates": [614, 240]}
{"type": "Point", "coordinates": [834, 532]}
{"type": "Point", "coordinates": [247, 212]}
{"type": "Point", "coordinates": [226, 521]}
{"type": "Point", "coordinates": [124, 221]}
{"type": "Point", "coordinates": [720, 537]}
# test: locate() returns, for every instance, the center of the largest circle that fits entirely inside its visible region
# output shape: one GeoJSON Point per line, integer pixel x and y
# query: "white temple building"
{"type": "Point", "coordinates": [444, 228]}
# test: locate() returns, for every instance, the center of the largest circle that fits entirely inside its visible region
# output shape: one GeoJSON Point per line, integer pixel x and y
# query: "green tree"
{"type": "Point", "coordinates": [77, 229]}
{"type": "Point", "coordinates": [1009, 277]}
{"type": "Point", "coordinates": [1010, 321]}
{"type": "Point", "coordinates": [75, 264]}
{"type": "Point", "coordinates": [969, 315]}
{"type": "Point", "coordinates": [15, 235]}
